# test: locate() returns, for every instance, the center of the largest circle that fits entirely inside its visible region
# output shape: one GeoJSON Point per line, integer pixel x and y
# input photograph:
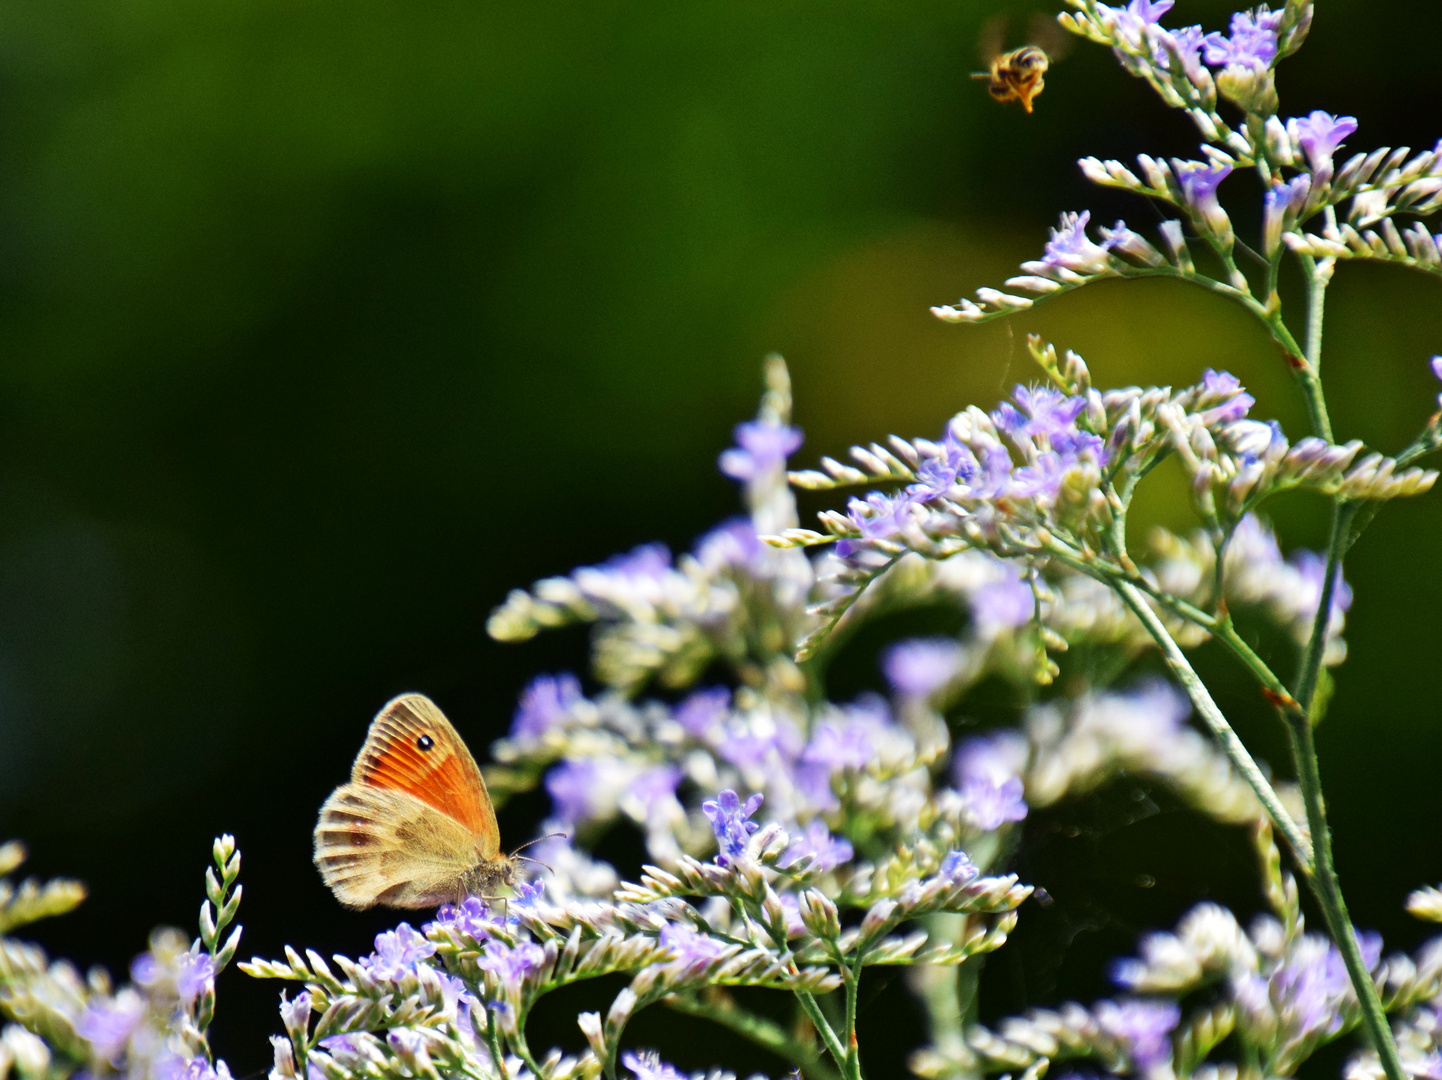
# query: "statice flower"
{"type": "Point", "coordinates": [1282, 205]}
{"type": "Point", "coordinates": [689, 947]}
{"type": "Point", "coordinates": [1319, 135]}
{"type": "Point", "coordinates": [510, 963]}
{"type": "Point", "coordinates": [545, 704]}
{"type": "Point", "coordinates": [1071, 250]}
{"type": "Point", "coordinates": [647, 1065]}
{"type": "Point", "coordinates": [988, 771]}
{"type": "Point", "coordinates": [730, 819]}
{"type": "Point", "coordinates": [1253, 40]}
{"type": "Point", "coordinates": [957, 868]}
{"type": "Point", "coordinates": [194, 976]}
{"type": "Point", "coordinates": [397, 952]}
{"type": "Point", "coordinates": [921, 666]}
{"type": "Point", "coordinates": [760, 447]}
{"type": "Point", "coordinates": [107, 1024]}
{"type": "Point", "coordinates": [703, 711]}
{"type": "Point", "coordinates": [816, 844]}
{"type": "Point", "coordinates": [1143, 1027]}
{"type": "Point", "coordinates": [1199, 181]}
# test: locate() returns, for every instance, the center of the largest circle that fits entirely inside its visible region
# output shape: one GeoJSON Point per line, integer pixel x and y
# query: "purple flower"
{"type": "Point", "coordinates": [1002, 603]}
{"type": "Point", "coordinates": [1320, 135]}
{"type": "Point", "coordinates": [921, 666]}
{"type": "Point", "coordinates": [653, 788]}
{"type": "Point", "coordinates": [1071, 249]}
{"type": "Point", "coordinates": [702, 712]}
{"type": "Point", "coordinates": [397, 952]}
{"type": "Point", "coordinates": [1437, 366]}
{"type": "Point", "coordinates": [1312, 573]}
{"type": "Point", "coordinates": [838, 745]}
{"type": "Point", "coordinates": [1281, 206]}
{"type": "Point", "coordinates": [880, 516]}
{"type": "Point", "coordinates": [1199, 181]}
{"type": "Point", "coordinates": [761, 447]}
{"type": "Point", "coordinates": [1224, 398]}
{"type": "Point", "coordinates": [528, 895]}
{"type": "Point", "coordinates": [1253, 41]}
{"type": "Point", "coordinates": [295, 1014]}
{"type": "Point", "coordinates": [939, 472]}
{"type": "Point", "coordinates": [733, 544]}
{"type": "Point", "coordinates": [471, 916]}
{"type": "Point", "coordinates": [1044, 412]}
{"type": "Point", "coordinates": [1143, 1028]}
{"type": "Point", "coordinates": [729, 819]}
{"type": "Point", "coordinates": [647, 1065]}
{"type": "Point", "coordinates": [544, 704]}
{"type": "Point", "coordinates": [689, 946]}
{"type": "Point", "coordinates": [648, 562]}
{"type": "Point", "coordinates": [511, 964]}
{"type": "Point", "coordinates": [574, 787]}
{"type": "Point", "coordinates": [1310, 985]}
{"type": "Point", "coordinates": [957, 868]}
{"type": "Point", "coordinates": [817, 843]}
{"type": "Point", "coordinates": [107, 1025]}
{"type": "Point", "coordinates": [170, 1066]}
{"type": "Point", "coordinates": [988, 778]}
{"type": "Point", "coordinates": [194, 976]}
{"type": "Point", "coordinates": [1185, 44]}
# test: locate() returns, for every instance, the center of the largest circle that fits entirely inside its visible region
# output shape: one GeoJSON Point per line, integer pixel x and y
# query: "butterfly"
{"type": "Point", "coordinates": [414, 828]}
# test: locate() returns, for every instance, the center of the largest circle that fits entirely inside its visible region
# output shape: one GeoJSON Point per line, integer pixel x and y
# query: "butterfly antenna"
{"type": "Point", "coordinates": [527, 858]}
{"type": "Point", "coordinates": [537, 840]}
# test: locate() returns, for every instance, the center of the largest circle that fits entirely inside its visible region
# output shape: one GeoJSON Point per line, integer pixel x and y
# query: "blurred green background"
{"type": "Point", "coordinates": [323, 325]}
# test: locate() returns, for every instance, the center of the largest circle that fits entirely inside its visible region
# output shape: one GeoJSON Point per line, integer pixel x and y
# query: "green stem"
{"type": "Point", "coordinates": [852, 977]}
{"type": "Point", "coordinates": [1326, 885]}
{"type": "Point", "coordinates": [523, 1049]}
{"type": "Point", "coordinates": [720, 1009]}
{"type": "Point", "coordinates": [823, 1027]}
{"type": "Point", "coordinates": [1216, 723]}
{"type": "Point", "coordinates": [1317, 281]}
{"type": "Point", "coordinates": [493, 1040]}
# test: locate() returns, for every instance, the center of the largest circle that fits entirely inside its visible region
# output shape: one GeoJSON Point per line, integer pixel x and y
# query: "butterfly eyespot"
{"type": "Point", "coordinates": [425, 742]}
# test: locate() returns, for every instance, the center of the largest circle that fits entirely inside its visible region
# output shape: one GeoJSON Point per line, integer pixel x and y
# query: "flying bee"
{"type": "Point", "coordinates": [1018, 75]}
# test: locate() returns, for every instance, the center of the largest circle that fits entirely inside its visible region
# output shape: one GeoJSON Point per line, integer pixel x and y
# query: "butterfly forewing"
{"type": "Point", "coordinates": [412, 748]}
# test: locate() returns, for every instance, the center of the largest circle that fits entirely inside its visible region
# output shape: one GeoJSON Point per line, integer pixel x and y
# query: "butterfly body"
{"type": "Point", "coordinates": [414, 827]}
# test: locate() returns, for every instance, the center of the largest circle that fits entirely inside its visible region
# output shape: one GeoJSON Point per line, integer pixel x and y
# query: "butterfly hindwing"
{"type": "Point", "coordinates": [374, 845]}
{"type": "Point", "coordinates": [412, 748]}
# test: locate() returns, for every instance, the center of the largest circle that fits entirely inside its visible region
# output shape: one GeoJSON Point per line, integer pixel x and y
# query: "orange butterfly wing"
{"type": "Point", "coordinates": [412, 748]}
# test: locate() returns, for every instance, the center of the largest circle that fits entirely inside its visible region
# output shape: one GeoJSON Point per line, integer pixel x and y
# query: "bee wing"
{"type": "Point", "coordinates": [992, 39]}
{"type": "Point", "coordinates": [376, 845]}
{"type": "Point", "coordinates": [1047, 34]}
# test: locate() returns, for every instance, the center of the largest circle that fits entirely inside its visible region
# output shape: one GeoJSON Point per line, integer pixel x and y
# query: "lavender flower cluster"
{"type": "Point", "coordinates": [1354, 207]}
{"type": "Point", "coordinates": [156, 1026]}
{"type": "Point", "coordinates": [792, 840]}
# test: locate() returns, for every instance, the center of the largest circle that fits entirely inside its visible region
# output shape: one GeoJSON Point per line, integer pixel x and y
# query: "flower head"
{"type": "Point", "coordinates": [647, 1065]}
{"type": "Point", "coordinates": [919, 667]}
{"type": "Point", "coordinates": [397, 952]}
{"type": "Point", "coordinates": [1320, 135]}
{"type": "Point", "coordinates": [510, 964]}
{"type": "Point", "coordinates": [702, 712]}
{"type": "Point", "coordinates": [194, 976]}
{"type": "Point", "coordinates": [817, 844]}
{"type": "Point", "coordinates": [689, 946]}
{"type": "Point", "coordinates": [1199, 181]}
{"type": "Point", "coordinates": [988, 776]}
{"type": "Point", "coordinates": [107, 1024]}
{"type": "Point", "coordinates": [1071, 249]}
{"type": "Point", "coordinates": [730, 820]}
{"type": "Point", "coordinates": [1143, 1028]}
{"type": "Point", "coordinates": [957, 867]}
{"type": "Point", "coordinates": [544, 704]}
{"type": "Point", "coordinates": [1253, 40]}
{"type": "Point", "coordinates": [760, 448]}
